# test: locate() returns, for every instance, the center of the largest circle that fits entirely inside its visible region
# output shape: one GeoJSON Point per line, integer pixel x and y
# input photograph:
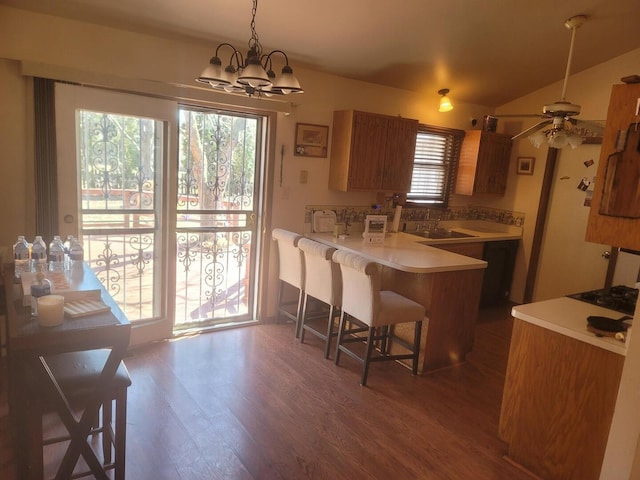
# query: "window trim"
{"type": "Point", "coordinates": [453, 144]}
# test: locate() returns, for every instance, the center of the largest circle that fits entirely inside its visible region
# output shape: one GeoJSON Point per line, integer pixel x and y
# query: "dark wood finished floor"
{"type": "Point", "coordinates": [253, 403]}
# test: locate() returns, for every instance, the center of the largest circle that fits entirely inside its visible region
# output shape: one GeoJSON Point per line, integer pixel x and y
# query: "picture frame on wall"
{"type": "Point", "coordinates": [525, 165]}
{"type": "Point", "coordinates": [311, 140]}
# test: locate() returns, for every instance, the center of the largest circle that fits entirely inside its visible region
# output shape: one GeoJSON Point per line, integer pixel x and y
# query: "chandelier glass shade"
{"type": "Point", "coordinates": [253, 75]}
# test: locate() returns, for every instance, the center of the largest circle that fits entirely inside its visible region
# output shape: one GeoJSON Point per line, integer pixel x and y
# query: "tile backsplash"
{"type": "Point", "coordinates": [354, 215]}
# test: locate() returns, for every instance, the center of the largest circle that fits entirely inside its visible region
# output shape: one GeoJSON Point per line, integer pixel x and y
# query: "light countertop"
{"type": "Point", "coordinates": [481, 231]}
{"type": "Point", "coordinates": [404, 252]}
{"type": "Point", "coordinates": [568, 316]}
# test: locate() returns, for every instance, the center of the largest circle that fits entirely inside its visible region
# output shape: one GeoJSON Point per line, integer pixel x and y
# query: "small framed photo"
{"type": "Point", "coordinates": [311, 140]}
{"type": "Point", "coordinates": [375, 228]}
{"type": "Point", "coordinates": [525, 165]}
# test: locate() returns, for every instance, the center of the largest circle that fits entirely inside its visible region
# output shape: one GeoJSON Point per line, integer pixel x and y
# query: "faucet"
{"type": "Point", "coordinates": [346, 215]}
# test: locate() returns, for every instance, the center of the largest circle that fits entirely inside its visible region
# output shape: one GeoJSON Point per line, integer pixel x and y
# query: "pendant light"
{"type": "Point", "coordinates": [445, 101]}
{"type": "Point", "coordinates": [253, 75]}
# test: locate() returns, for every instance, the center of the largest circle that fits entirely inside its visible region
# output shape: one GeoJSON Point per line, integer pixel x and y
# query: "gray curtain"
{"type": "Point", "coordinates": [46, 172]}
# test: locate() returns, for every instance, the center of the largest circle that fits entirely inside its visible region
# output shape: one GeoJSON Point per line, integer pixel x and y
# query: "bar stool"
{"type": "Point", "coordinates": [322, 281]}
{"type": "Point", "coordinates": [291, 272]}
{"type": "Point", "coordinates": [77, 375]}
{"type": "Point", "coordinates": [366, 306]}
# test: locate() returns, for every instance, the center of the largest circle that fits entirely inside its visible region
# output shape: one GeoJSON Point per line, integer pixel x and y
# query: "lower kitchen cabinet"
{"type": "Point", "coordinates": [558, 402]}
{"type": "Point", "coordinates": [500, 257]}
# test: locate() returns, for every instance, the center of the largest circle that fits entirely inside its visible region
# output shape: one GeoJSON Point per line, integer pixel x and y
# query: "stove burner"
{"type": "Point", "coordinates": [619, 298]}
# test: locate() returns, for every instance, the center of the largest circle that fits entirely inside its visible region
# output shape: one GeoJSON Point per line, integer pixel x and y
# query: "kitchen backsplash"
{"type": "Point", "coordinates": [354, 215]}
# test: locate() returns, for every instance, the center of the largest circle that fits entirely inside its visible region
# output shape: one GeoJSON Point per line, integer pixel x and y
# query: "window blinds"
{"type": "Point", "coordinates": [435, 165]}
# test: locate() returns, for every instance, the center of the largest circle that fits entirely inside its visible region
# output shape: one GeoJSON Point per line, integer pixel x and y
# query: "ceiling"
{"type": "Point", "coordinates": [487, 52]}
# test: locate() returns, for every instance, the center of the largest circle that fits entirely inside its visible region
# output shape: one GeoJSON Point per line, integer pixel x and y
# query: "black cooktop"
{"type": "Point", "coordinates": [619, 298]}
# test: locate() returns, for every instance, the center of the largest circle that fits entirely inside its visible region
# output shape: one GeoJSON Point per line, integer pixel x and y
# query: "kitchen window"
{"type": "Point", "coordinates": [434, 166]}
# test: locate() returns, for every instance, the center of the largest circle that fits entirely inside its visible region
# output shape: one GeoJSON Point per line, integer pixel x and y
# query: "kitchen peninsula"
{"type": "Point", "coordinates": [560, 389]}
{"type": "Point", "coordinates": [446, 283]}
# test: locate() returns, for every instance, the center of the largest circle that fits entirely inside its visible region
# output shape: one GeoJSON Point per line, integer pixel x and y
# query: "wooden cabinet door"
{"type": "Point", "coordinates": [493, 163]}
{"type": "Point", "coordinates": [607, 229]}
{"type": "Point", "coordinates": [368, 144]}
{"type": "Point", "coordinates": [400, 151]}
{"type": "Point", "coordinates": [473, 250]}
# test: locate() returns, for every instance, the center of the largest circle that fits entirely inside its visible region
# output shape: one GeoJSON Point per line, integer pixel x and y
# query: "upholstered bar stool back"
{"type": "Point", "coordinates": [291, 272]}
{"type": "Point", "coordinates": [375, 310]}
{"type": "Point", "coordinates": [323, 282]}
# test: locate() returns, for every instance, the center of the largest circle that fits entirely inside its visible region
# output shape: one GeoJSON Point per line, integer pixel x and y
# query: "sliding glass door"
{"type": "Point", "coordinates": [166, 202]}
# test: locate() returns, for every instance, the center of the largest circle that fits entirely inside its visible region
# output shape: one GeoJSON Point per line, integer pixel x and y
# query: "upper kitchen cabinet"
{"type": "Point", "coordinates": [371, 152]}
{"type": "Point", "coordinates": [614, 217]}
{"type": "Point", "coordinates": [484, 163]}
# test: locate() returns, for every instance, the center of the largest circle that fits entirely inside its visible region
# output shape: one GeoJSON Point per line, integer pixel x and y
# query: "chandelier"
{"type": "Point", "coordinates": [252, 75]}
{"type": "Point", "coordinates": [558, 136]}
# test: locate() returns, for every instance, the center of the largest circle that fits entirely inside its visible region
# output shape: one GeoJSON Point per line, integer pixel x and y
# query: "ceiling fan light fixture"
{"type": "Point", "coordinates": [537, 138]}
{"type": "Point", "coordinates": [575, 140]}
{"type": "Point", "coordinates": [556, 137]}
{"type": "Point", "coordinates": [445, 101]}
{"type": "Point", "coordinates": [253, 76]}
{"type": "Point", "coordinates": [557, 130]}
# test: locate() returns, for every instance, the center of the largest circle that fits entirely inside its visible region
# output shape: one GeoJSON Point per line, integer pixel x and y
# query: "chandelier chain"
{"type": "Point", "coordinates": [254, 42]}
{"type": "Point", "coordinates": [253, 74]}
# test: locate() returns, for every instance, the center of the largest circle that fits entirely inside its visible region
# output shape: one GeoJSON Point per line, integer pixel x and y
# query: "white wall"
{"type": "Point", "coordinates": [591, 89]}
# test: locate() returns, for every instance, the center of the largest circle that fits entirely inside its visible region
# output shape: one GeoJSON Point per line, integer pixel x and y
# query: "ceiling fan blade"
{"type": "Point", "coordinates": [523, 115]}
{"type": "Point", "coordinates": [532, 129]}
{"type": "Point", "coordinates": [595, 126]}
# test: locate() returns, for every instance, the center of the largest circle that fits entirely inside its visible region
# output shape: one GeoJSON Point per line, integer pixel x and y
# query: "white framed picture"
{"type": "Point", "coordinates": [375, 228]}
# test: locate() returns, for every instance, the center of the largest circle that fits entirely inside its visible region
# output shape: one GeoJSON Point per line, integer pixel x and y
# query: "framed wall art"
{"type": "Point", "coordinates": [525, 165]}
{"type": "Point", "coordinates": [311, 140]}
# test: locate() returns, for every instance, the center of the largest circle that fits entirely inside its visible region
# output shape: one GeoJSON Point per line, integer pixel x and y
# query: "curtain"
{"type": "Point", "coordinates": [46, 171]}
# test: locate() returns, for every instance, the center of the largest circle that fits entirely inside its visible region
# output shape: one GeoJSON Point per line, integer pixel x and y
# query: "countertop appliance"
{"type": "Point", "coordinates": [619, 298]}
{"type": "Point", "coordinates": [323, 221]}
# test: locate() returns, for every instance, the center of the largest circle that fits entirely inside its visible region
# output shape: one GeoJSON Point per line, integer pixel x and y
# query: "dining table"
{"type": "Point", "coordinates": [29, 345]}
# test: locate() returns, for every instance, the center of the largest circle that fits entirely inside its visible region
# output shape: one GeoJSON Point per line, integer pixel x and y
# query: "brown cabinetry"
{"type": "Point", "coordinates": [614, 218]}
{"type": "Point", "coordinates": [473, 250]}
{"type": "Point", "coordinates": [500, 257]}
{"type": "Point", "coordinates": [558, 401]}
{"type": "Point", "coordinates": [484, 163]}
{"type": "Point", "coordinates": [371, 152]}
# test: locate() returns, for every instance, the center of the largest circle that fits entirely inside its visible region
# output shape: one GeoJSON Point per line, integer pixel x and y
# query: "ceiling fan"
{"type": "Point", "coordinates": [559, 115]}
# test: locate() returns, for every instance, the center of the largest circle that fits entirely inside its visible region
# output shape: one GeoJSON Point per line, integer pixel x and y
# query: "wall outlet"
{"type": "Point", "coordinates": [304, 176]}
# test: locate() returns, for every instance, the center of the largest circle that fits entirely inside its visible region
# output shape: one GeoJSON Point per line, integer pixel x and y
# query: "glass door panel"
{"type": "Point", "coordinates": [216, 216]}
{"type": "Point", "coordinates": [119, 157]}
{"type": "Point", "coordinates": [114, 162]}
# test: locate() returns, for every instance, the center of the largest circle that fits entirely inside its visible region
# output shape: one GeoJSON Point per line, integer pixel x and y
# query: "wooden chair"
{"type": "Point", "coordinates": [77, 375]}
{"type": "Point", "coordinates": [368, 309]}
{"type": "Point", "coordinates": [323, 282]}
{"type": "Point", "coordinates": [290, 272]}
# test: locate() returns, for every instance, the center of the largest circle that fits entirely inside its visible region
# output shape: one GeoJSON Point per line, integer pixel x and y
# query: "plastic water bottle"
{"type": "Point", "coordinates": [21, 256]}
{"type": "Point", "coordinates": [76, 253]}
{"type": "Point", "coordinates": [38, 253]}
{"type": "Point", "coordinates": [67, 247]}
{"type": "Point", "coordinates": [40, 287]}
{"type": "Point", "coordinates": [56, 254]}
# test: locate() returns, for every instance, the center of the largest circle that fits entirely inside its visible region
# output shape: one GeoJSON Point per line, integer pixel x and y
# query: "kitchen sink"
{"type": "Point", "coordinates": [441, 233]}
